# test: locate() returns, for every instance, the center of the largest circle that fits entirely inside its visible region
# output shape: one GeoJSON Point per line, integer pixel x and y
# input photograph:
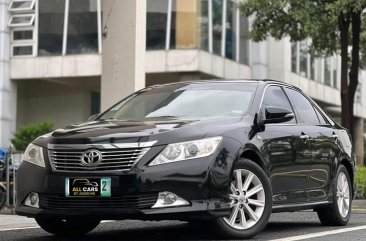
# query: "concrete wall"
{"type": "Point", "coordinates": [62, 104]}
{"type": "Point", "coordinates": [56, 66]}
{"type": "Point", "coordinates": [8, 91]}
{"type": "Point", "coordinates": [193, 60]}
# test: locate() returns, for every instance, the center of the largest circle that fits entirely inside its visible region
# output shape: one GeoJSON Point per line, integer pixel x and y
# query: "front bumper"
{"type": "Point", "coordinates": [202, 182]}
{"type": "Point", "coordinates": [204, 209]}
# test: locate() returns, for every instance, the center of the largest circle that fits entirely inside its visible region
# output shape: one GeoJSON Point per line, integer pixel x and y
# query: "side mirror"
{"type": "Point", "coordinates": [91, 118]}
{"type": "Point", "coordinates": [273, 114]}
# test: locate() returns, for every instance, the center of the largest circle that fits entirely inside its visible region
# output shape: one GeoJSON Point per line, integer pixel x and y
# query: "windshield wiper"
{"type": "Point", "coordinates": [166, 116]}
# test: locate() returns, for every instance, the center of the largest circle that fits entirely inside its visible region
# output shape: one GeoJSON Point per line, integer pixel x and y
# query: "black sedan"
{"type": "Point", "coordinates": [228, 153]}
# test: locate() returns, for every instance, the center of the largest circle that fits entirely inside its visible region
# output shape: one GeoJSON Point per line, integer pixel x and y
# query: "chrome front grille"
{"type": "Point", "coordinates": [112, 159]}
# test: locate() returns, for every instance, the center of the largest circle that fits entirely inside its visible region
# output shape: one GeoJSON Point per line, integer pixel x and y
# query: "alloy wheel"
{"type": "Point", "coordinates": [247, 198]}
{"type": "Point", "coordinates": [343, 195]}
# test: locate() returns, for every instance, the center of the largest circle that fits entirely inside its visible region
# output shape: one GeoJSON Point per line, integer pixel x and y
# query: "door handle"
{"type": "Point", "coordinates": [335, 136]}
{"type": "Point", "coordinates": [304, 137]}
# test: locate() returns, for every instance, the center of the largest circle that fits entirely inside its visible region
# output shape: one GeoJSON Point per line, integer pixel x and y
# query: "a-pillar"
{"type": "Point", "coordinates": [124, 49]}
{"type": "Point", "coordinates": [359, 140]}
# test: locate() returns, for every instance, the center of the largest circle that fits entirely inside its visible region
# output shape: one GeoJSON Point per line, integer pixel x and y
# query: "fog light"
{"type": "Point", "coordinates": [32, 200]}
{"type": "Point", "coordinates": [169, 199]}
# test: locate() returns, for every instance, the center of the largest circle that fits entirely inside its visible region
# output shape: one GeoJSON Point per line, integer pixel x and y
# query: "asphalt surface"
{"type": "Point", "coordinates": [282, 225]}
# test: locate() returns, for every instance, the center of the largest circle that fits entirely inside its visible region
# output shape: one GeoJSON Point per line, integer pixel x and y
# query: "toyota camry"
{"type": "Point", "coordinates": [227, 153]}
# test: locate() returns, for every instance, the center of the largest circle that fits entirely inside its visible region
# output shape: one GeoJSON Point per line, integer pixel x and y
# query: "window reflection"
{"type": "Point", "coordinates": [156, 24]}
{"type": "Point", "coordinates": [82, 35]}
{"type": "Point", "coordinates": [51, 24]}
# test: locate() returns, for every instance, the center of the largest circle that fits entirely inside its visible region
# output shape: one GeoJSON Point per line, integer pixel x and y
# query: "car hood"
{"type": "Point", "coordinates": [163, 130]}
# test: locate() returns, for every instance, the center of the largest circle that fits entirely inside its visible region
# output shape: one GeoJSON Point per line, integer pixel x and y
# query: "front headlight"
{"type": "Point", "coordinates": [187, 150]}
{"type": "Point", "coordinates": [34, 154]}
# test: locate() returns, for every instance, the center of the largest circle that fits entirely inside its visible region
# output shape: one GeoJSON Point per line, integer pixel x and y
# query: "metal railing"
{"type": "Point", "coordinates": [11, 164]}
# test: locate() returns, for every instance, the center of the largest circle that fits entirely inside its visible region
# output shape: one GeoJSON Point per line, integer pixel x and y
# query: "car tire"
{"type": "Point", "coordinates": [338, 213]}
{"type": "Point", "coordinates": [67, 227]}
{"type": "Point", "coordinates": [254, 201]}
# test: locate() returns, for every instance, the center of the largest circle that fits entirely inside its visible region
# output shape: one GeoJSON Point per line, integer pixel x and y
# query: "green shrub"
{"type": "Point", "coordinates": [360, 179]}
{"type": "Point", "coordinates": [28, 133]}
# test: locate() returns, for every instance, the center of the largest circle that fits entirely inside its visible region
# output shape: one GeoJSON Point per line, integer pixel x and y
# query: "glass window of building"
{"type": "Point", "coordinates": [231, 30]}
{"type": "Point", "coordinates": [244, 40]}
{"type": "Point", "coordinates": [312, 67]}
{"type": "Point", "coordinates": [184, 24]}
{"type": "Point", "coordinates": [335, 72]}
{"type": "Point", "coordinates": [82, 33]}
{"type": "Point", "coordinates": [19, 5]}
{"type": "Point", "coordinates": [319, 70]}
{"type": "Point", "coordinates": [21, 20]}
{"type": "Point", "coordinates": [294, 57]}
{"type": "Point", "coordinates": [22, 35]}
{"type": "Point", "coordinates": [173, 23]}
{"type": "Point", "coordinates": [156, 24]}
{"type": "Point", "coordinates": [303, 58]}
{"type": "Point", "coordinates": [327, 71]}
{"type": "Point", "coordinates": [217, 7]}
{"type": "Point", "coordinates": [358, 94]}
{"type": "Point", "coordinates": [50, 27]}
{"type": "Point", "coordinates": [203, 22]}
{"type": "Point", "coordinates": [22, 50]}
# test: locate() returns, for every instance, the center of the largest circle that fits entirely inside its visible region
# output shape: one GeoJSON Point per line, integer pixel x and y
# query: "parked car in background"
{"type": "Point", "coordinates": [229, 153]}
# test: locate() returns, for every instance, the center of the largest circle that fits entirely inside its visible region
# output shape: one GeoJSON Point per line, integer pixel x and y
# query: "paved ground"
{"type": "Point", "coordinates": [284, 226]}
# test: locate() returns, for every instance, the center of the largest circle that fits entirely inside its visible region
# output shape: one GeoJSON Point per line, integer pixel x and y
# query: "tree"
{"type": "Point", "coordinates": [333, 26]}
{"type": "Point", "coordinates": [29, 133]}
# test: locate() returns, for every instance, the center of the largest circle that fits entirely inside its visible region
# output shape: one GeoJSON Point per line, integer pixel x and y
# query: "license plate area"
{"type": "Point", "coordinates": [88, 187]}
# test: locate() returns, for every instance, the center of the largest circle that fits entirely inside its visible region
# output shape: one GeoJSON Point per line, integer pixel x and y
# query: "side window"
{"type": "Point", "coordinates": [305, 110]}
{"type": "Point", "coordinates": [321, 118]}
{"type": "Point", "coordinates": [274, 96]}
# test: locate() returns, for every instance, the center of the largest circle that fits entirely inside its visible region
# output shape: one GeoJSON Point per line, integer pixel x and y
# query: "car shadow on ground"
{"type": "Point", "coordinates": [177, 231]}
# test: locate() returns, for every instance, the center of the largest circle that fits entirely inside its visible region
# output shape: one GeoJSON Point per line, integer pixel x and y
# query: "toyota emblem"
{"type": "Point", "coordinates": [91, 158]}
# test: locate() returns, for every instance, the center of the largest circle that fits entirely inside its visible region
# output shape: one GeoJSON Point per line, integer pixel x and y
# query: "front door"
{"type": "Point", "coordinates": [287, 149]}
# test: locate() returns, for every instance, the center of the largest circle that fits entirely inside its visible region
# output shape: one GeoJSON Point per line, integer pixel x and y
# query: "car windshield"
{"type": "Point", "coordinates": [185, 101]}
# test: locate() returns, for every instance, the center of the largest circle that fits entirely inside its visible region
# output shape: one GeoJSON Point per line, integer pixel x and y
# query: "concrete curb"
{"type": "Point", "coordinates": [16, 222]}
{"type": "Point", "coordinates": [359, 205]}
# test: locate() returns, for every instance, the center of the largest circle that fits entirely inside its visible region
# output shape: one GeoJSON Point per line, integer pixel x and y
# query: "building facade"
{"type": "Point", "coordinates": [64, 60]}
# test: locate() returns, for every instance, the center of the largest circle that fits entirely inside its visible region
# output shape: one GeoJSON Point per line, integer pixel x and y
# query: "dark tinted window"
{"type": "Point", "coordinates": [274, 96]}
{"type": "Point", "coordinates": [305, 110]}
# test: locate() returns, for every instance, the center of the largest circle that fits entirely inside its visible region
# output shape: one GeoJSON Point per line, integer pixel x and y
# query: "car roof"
{"type": "Point", "coordinates": [265, 81]}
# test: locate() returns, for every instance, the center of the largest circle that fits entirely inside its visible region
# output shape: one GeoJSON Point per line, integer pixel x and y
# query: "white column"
{"type": "Point", "coordinates": [258, 59]}
{"type": "Point", "coordinates": [8, 94]}
{"type": "Point", "coordinates": [279, 58]}
{"type": "Point", "coordinates": [124, 49]}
